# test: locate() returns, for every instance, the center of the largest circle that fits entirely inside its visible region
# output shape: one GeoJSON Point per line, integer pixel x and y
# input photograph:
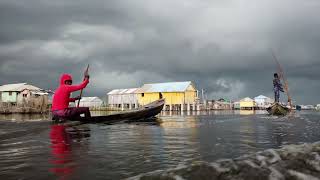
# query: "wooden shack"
{"type": "Point", "coordinates": [21, 96]}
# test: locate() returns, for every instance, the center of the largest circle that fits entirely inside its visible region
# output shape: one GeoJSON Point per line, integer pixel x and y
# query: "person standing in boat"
{"type": "Point", "coordinates": [60, 103]}
{"type": "Point", "coordinates": [277, 87]}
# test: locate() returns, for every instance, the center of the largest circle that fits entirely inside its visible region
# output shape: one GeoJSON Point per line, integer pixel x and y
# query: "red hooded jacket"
{"type": "Point", "coordinates": [61, 96]}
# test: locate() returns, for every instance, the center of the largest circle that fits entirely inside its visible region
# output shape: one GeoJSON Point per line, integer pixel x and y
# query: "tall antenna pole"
{"type": "Point", "coordinates": [281, 73]}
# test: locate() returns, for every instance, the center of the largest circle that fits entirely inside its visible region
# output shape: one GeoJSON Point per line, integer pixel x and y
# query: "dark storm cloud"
{"type": "Point", "coordinates": [223, 46]}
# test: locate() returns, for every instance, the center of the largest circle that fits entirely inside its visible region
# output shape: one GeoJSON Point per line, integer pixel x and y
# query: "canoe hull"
{"type": "Point", "coordinates": [278, 110]}
{"type": "Point", "coordinates": [145, 112]}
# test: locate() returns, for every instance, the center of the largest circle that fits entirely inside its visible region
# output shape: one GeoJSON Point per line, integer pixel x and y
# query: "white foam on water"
{"type": "Point", "coordinates": [316, 162]}
{"type": "Point", "coordinates": [176, 177]}
{"type": "Point", "coordinates": [275, 174]}
{"type": "Point", "coordinates": [276, 156]}
{"type": "Point", "coordinates": [220, 169]}
{"type": "Point", "coordinates": [230, 162]}
{"type": "Point", "coordinates": [252, 164]}
{"type": "Point", "coordinates": [262, 160]}
{"type": "Point", "coordinates": [180, 166]}
{"type": "Point", "coordinates": [302, 176]}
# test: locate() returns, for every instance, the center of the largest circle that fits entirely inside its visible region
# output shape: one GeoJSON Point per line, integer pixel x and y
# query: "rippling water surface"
{"type": "Point", "coordinates": [32, 148]}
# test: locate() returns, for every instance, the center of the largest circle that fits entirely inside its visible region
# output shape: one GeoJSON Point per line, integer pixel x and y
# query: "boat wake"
{"type": "Point", "coordinates": [289, 162]}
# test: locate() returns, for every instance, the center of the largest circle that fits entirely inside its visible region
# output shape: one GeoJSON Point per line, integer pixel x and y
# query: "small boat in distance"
{"type": "Point", "coordinates": [276, 108]}
{"type": "Point", "coordinates": [140, 114]}
{"type": "Point", "coordinates": [298, 108]}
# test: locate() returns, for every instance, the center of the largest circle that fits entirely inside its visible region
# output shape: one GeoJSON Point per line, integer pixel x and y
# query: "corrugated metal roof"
{"type": "Point", "coordinates": [131, 91]}
{"type": "Point", "coordinates": [39, 93]}
{"type": "Point", "coordinates": [261, 97]}
{"type": "Point", "coordinates": [18, 87]}
{"type": "Point", "coordinates": [114, 91]}
{"type": "Point", "coordinates": [90, 99]}
{"type": "Point", "coordinates": [123, 91]}
{"type": "Point", "coordinates": [246, 99]}
{"type": "Point", "coordinates": [166, 87]}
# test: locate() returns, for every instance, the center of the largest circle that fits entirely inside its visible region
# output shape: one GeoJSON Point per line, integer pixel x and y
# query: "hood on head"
{"type": "Point", "coordinates": [65, 77]}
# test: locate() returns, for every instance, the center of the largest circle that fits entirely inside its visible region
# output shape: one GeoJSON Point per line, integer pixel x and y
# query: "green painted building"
{"type": "Point", "coordinates": [12, 93]}
{"type": "Point", "coordinates": [9, 96]}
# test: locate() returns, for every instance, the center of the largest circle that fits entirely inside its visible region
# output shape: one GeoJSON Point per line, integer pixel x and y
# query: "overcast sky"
{"type": "Point", "coordinates": [223, 46]}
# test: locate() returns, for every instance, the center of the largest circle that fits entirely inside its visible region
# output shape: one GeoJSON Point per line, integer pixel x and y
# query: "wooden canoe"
{"type": "Point", "coordinates": [140, 114]}
{"type": "Point", "coordinates": [278, 110]}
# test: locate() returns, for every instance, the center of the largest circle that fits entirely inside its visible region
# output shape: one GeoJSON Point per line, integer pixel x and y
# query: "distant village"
{"type": "Point", "coordinates": [179, 96]}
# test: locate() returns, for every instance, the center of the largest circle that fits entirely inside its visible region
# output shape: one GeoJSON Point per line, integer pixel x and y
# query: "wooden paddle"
{"type": "Point", "coordinates": [85, 73]}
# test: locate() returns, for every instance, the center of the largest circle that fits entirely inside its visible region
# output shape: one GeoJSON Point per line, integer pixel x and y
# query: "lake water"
{"type": "Point", "coordinates": [32, 148]}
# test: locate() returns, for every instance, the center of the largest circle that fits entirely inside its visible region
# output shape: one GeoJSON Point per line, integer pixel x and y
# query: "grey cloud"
{"type": "Point", "coordinates": [224, 47]}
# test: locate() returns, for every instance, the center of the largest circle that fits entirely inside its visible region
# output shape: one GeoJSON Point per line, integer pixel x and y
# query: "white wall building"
{"type": "Point", "coordinates": [308, 107]}
{"type": "Point", "coordinates": [262, 102]}
{"type": "Point", "coordinates": [123, 98]}
{"type": "Point", "coordinates": [90, 102]}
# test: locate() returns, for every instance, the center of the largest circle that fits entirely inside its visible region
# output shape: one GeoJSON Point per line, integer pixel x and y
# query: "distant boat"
{"type": "Point", "coordinates": [278, 110]}
{"type": "Point", "coordinates": [298, 107]}
{"type": "Point", "coordinates": [143, 113]}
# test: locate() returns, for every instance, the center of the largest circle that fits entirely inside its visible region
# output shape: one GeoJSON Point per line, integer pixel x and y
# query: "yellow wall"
{"type": "Point", "coordinates": [189, 96]}
{"type": "Point", "coordinates": [170, 97]}
{"type": "Point", "coordinates": [249, 104]}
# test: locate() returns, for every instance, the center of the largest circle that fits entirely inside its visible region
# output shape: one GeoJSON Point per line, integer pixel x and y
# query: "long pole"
{"type": "Point", "coordinates": [281, 73]}
{"type": "Point", "coordinates": [86, 72]}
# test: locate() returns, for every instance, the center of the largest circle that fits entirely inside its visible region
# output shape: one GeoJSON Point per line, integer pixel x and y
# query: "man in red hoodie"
{"type": "Point", "coordinates": [62, 98]}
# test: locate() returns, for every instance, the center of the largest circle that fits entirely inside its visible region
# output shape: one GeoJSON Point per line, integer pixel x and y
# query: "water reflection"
{"type": "Point", "coordinates": [124, 150]}
{"type": "Point", "coordinates": [63, 160]}
{"type": "Point", "coordinates": [247, 112]}
{"type": "Point", "coordinates": [197, 113]}
{"type": "Point", "coordinates": [180, 122]}
{"type": "Point", "coordinates": [25, 117]}
{"type": "Point", "coordinates": [61, 150]}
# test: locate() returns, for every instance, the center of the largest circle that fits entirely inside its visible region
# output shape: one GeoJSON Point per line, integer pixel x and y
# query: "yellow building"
{"type": "Point", "coordinates": [177, 95]}
{"type": "Point", "coordinates": [247, 103]}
